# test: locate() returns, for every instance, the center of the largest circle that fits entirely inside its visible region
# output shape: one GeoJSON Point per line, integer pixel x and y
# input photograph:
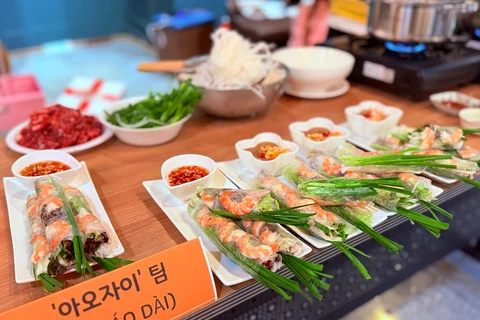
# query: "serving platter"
{"type": "Point", "coordinates": [366, 145]}
{"type": "Point", "coordinates": [227, 271]}
{"type": "Point", "coordinates": [14, 133]}
{"type": "Point", "coordinates": [16, 197]}
{"type": "Point", "coordinates": [243, 178]}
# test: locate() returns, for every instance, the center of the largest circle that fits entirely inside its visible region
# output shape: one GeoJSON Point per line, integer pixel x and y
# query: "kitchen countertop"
{"type": "Point", "coordinates": [118, 169]}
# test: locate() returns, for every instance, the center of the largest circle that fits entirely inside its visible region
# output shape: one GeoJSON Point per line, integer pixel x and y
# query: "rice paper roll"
{"type": "Point", "coordinates": [236, 201]}
{"type": "Point", "coordinates": [323, 224]}
{"type": "Point", "coordinates": [467, 153]}
{"type": "Point", "coordinates": [58, 230]}
{"type": "Point", "coordinates": [97, 241]}
{"type": "Point", "coordinates": [304, 178]}
{"type": "Point", "coordinates": [391, 200]}
{"type": "Point", "coordinates": [329, 166]}
{"type": "Point", "coordinates": [40, 249]}
{"type": "Point", "coordinates": [464, 168]}
{"type": "Point", "coordinates": [381, 169]}
{"type": "Point", "coordinates": [226, 231]}
{"type": "Point", "coordinates": [438, 137]}
{"type": "Point", "coordinates": [267, 233]}
{"type": "Point", "coordinates": [421, 187]}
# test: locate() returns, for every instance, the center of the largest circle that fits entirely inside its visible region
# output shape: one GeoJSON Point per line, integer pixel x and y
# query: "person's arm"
{"type": "Point", "coordinates": [310, 26]}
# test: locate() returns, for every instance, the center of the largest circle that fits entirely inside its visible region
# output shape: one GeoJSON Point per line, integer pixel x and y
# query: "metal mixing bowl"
{"type": "Point", "coordinates": [243, 102]}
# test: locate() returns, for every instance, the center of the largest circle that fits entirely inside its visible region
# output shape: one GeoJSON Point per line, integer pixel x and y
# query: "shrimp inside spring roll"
{"type": "Point", "coordinates": [58, 230]}
{"type": "Point", "coordinates": [239, 201]}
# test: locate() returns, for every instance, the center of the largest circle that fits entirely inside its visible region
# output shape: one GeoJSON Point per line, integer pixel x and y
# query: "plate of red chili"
{"type": "Point", "coordinates": [58, 128]}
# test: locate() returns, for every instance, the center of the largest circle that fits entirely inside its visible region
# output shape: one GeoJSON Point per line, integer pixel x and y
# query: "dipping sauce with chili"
{"type": "Point", "coordinates": [186, 174]}
{"type": "Point", "coordinates": [320, 134]}
{"type": "Point", "coordinates": [42, 168]}
{"type": "Point", "coordinates": [267, 151]}
{"type": "Point", "coordinates": [454, 104]}
{"type": "Point", "coordinates": [374, 114]}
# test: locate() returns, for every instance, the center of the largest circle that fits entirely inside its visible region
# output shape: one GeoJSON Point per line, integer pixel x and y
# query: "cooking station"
{"type": "Point", "coordinates": [412, 70]}
{"type": "Point", "coordinates": [416, 48]}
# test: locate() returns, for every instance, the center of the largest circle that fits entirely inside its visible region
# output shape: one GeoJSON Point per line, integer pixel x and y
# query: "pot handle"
{"type": "Point", "coordinates": [465, 7]}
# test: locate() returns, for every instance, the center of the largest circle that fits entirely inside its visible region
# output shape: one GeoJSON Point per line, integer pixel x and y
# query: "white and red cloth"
{"type": "Point", "coordinates": [90, 95]}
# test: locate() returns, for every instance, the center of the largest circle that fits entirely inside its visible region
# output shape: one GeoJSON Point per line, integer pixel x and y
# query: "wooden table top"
{"type": "Point", "coordinates": [118, 170]}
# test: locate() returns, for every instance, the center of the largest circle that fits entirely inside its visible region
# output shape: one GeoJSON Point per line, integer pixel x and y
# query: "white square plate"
{"type": "Point", "coordinates": [365, 145]}
{"type": "Point", "coordinates": [16, 196]}
{"type": "Point", "coordinates": [243, 178]}
{"type": "Point", "coordinates": [227, 271]}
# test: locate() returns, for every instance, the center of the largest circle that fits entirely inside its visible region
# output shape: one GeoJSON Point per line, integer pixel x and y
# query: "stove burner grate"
{"type": "Point", "coordinates": [405, 48]}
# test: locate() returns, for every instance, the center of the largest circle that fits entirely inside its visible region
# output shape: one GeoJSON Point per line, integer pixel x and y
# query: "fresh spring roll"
{"type": "Point", "coordinates": [421, 187]}
{"type": "Point", "coordinates": [40, 248]}
{"type": "Point", "coordinates": [330, 166]}
{"type": "Point", "coordinates": [240, 201]}
{"type": "Point", "coordinates": [58, 230]}
{"type": "Point", "coordinates": [464, 168]}
{"type": "Point", "coordinates": [323, 224]}
{"type": "Point", "coordinates": [387, 199]}
{"type": "Point", "coordinates": [398, 137]}
{"type": "Point", "coordinates": [466, 153]}
{"type": "Point", "coordinates": [299, 174]}
{"type": "Point", "coordinates": [333, 166]}
{"type": "Point", "coordinates": [97, 242]}
{"type": "Point", "coordinates": [228, 232]}
{"type": "Point", "coordinates": [436, 137]}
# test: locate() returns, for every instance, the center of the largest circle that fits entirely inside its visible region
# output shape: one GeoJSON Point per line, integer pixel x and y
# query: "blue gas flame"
{"type": "Point", "coordinates": [405, 48]}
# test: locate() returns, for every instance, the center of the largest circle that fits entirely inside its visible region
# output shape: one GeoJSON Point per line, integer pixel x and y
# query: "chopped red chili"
{"type": "Point", "coordinates": [42, 168]}
{"type": "Point", "coordinates": [186, 174]}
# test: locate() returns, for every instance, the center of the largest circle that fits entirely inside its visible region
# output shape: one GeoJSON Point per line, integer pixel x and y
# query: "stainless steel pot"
{"type": "Point", "coordinates": [423, 21]}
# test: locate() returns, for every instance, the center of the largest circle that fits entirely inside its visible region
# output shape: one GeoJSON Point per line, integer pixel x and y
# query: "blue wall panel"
{"type": "Point", "coordinates": [26, 23]}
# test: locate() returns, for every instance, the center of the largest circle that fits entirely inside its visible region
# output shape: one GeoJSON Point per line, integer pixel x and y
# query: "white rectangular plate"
{"type": "Point", "coordinates": [16, 196]}
{"type": "Point", "coordinates": [365, 145]}
{"type": "Point", "coordinates": [243, 178]}
{"type": "Point", "coordinates": [227, 271]}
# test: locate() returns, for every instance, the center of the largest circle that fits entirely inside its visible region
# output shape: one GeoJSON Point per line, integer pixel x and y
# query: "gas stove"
{"type": "Point", "coordinates": [412, 70]}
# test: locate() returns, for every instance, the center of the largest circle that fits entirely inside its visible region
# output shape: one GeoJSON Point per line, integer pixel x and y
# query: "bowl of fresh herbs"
{"type": "Point", "coordinates": [154, 119]}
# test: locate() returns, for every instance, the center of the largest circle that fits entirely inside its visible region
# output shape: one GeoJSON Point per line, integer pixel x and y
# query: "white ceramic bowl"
{"type": "Point", "coordinates": [314, 69]}
{"type": "Point", "coordinates": [66, 177]}
{"type": "Point", "coordinates": [368, 129]}
{"type": "Point", "coordinates": [187, 190]}
{"type": "Point", "coordinates": [141, 137]}
{"type": "Point", "coordinates": [327, 146]}
{"type": "Point", "coordinates": [470, 118]}
{"type": "Point", "coordinates": [273, 167]}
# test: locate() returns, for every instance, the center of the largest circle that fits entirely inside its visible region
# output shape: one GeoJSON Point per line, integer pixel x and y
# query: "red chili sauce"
{"type": "Point", "coordinates": [186, 174]}
{"type": "Point", "coordinates": [42, 168]}
{"type": "Point", "coordinates": [454, 104]}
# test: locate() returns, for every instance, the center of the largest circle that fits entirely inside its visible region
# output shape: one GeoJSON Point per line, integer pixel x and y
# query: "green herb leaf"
{"type": "Point", "coordinates": [107, 265]}
{"type": "Point", "coordinates": [341, 246]}
{"type": "Point", "coordinates": [287, 216]}
{"type": "Point", "coordinates": [308, 273]}
{"type": "Point", "coordinates": [49, 282]}
{"type": "Point", "coordinates": [347, 215]}
{"type": "Point", "coordinates": [158, 109]}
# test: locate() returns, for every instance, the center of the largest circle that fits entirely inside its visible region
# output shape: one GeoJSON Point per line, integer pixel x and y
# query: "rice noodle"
{"type": "Point", "coordinates": [234, 62]}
